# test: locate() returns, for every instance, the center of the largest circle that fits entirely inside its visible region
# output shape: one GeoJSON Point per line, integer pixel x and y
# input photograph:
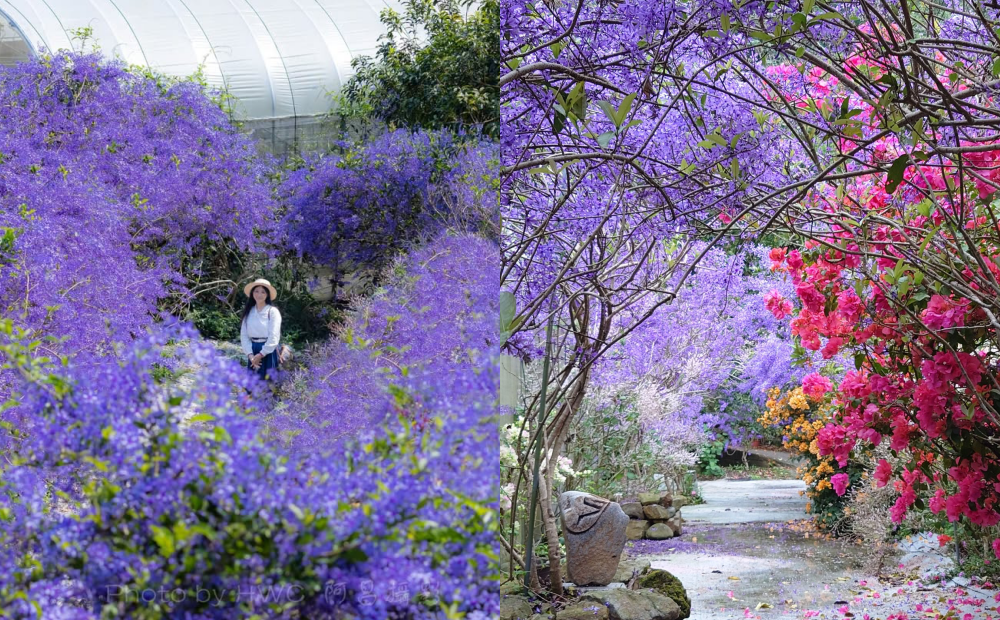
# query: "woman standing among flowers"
{"type": "Point", "coordinates": [260, 329]}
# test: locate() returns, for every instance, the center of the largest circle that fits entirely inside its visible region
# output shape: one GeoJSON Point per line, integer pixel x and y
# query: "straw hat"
{"type": "Point", "coordinates": [261, 282]}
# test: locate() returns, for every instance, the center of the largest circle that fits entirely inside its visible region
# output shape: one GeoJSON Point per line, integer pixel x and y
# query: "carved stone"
{"type": "Point", "coordinates": [594, 531]}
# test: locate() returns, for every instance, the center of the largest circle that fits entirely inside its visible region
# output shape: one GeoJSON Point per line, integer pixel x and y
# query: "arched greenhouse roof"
{"type": "Point", "coordinates": [279, 58]}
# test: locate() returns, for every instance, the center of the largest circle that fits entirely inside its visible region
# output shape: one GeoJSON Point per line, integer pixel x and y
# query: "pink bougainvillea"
{"type": "Point", "coordinates": [840, 482]}
{"type": "Point", "coordinates": [918, 321]}
{"type": "Point", "coordinates": [815, 385]}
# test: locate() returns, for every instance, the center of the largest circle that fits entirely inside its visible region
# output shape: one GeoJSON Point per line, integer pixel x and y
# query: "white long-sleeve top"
{"type": "Point", "coordinates": [263, 324]}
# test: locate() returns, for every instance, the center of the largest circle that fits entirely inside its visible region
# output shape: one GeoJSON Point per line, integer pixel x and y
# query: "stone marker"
{"type": "Point", "coordinates": [659, 531]}
{"type": "Point", "coordinates": [594, 531]}
{"type": "Point", "coordinates": [635, 529]}
{"type": "Point", "coordinates": [633, 510]}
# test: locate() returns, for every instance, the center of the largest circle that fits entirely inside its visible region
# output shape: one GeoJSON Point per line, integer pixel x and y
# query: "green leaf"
{"type": "Point", "coordinates": [609, 111]}
{"type": "Point", "coordinates": [807, 6]}
{"type": "Point", "coordinates": [725, 22]}
{"type": "Point", "coordinates": [508, 309]}
{"type": "Point", "coordinates": [558, 122]}
{"type": "Point", "coordinates": [164, 539]}
{"type": "Point", "coordinates": [576, 101]}
{"type": "Point", "coordinates": [605, 138]}
{"type": "Point", "coordinates": [903, 285]}
{"type": "Point", "coordinates": [97, 463]}
{"type": "Point", "coordinates": [889, 80]}
{"type": "Point", "coordinates": [895, 175]}
{"type": "Point", "coordinates": [624, 109]}
{"type": "Point", "coordinates": [222, 435]}
{"type": "Point", "coordinates": [354, 555]}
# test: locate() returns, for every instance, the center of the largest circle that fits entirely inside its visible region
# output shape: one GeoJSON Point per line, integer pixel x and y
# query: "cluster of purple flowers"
{"type": "Point", "coordinates": [108, 179]}
{"type": "Point", "coordinates": [718, 383]}
{"type": "Point", "coordinates": [128, 495]}
{"type": "Point", "coordinates": [434, 320]}
{"type": "Point", "coordinates": [359, 208]}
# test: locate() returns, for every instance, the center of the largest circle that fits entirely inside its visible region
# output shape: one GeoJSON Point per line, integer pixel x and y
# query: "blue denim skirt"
{"type": "Point", "coordinates": [268, 365]}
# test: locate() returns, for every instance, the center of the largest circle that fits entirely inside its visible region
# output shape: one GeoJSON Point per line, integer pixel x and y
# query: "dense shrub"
{"type": "Point", "coordinates": [126, 496]}
{"type": "Point", "coordinates": [800, 415]}
{"type": "Point", "coordinates": [353, 212]}
{"type": "Point", "coordinates": [436, 316]}
{"type": "Point", "coordinates": [108, 180]}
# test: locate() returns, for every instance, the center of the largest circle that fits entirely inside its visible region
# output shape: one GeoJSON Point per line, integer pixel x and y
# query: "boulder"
{"type": "Point", "coordinates": [675, 525]}
{"type": "Point", "coordinates": [655, 512]}
{"type": "Point", "coordinates": [678, 502]}
{"type": "Point", "coordinates": [630, 568]}
{"type": "Point", "coordinates": [666, 584]}
{"type": "Point", "coordinates": [655, 498]}
{"type": "Point", "coordinates": [589, 610]}
{"type": "Point", "coordinates": [635, 604]}
{"type": "Point", "coordinates": [515, 607]}
{"type": "Point", "coordinates": [633, 510]}
{"type": "Point", "coordinates": [659, 531]}
{"type": "Point", "coordinates": [594, 531]}
{"type": "Point", "coordinates": [635, 529]}
{"type": "Point", "coordinates": [513, 587]}
{"type": "Point", "coordinates": [649, 498]}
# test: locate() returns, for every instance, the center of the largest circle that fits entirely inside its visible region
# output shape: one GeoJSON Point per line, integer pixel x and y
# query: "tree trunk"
{"type": "Point", "coordinates": [551, 534]}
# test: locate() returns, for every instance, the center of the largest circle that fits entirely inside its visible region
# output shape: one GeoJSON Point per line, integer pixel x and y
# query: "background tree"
{"type": "Point", "coordinates": [437, 66]}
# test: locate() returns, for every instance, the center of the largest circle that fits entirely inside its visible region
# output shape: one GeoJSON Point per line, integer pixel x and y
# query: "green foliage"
{"type": "Point", "coordinates": [617, 455]}
{"type": "Point", "coordinates": [708, 458]}
{"type": "Point", "coordinates": [451, 79]}
{"type": "Point", "coordinates": [828, 508]}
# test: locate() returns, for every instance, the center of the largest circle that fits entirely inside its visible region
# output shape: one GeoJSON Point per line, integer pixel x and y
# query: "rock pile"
{"type": "Point", "coordinates": [656, 516]}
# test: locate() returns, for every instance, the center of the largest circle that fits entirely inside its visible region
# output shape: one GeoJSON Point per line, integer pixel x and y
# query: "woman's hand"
{"type": "Point", "coordinates": [255, 361]}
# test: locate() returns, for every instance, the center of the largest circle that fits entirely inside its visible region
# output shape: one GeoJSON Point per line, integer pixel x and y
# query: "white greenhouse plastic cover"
{"type": "Point", "coordinates": [279, 58]}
